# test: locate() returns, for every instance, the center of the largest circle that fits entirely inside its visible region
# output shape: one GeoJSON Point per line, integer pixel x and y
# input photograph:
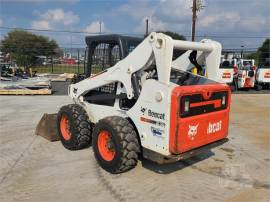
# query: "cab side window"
{"type": "Point", "coordinates": [104, 56]}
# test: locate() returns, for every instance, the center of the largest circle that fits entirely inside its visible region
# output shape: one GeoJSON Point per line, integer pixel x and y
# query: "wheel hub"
{"type": "Point", "coordinates": [65, 127]}
{"type": "Point", "coordinates": [106, 146]}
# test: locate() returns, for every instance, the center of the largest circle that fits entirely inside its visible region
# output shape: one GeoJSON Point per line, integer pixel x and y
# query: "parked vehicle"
{"type": "Point", "coordinates": [263, 76]}
{"type": "Point", "coordinates": [226, 72]}
{"type": "Point", "coordinates": [245, 74]}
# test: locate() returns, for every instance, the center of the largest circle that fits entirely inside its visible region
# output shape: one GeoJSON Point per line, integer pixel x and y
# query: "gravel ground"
{"type": "Point", "coordinates": [33, 169]}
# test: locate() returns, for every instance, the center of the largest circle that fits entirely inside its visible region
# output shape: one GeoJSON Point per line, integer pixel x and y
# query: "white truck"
{"type": "Point", "coordinates": [226, 72]}
{"type": "Point", "coordinates": [263, 76]}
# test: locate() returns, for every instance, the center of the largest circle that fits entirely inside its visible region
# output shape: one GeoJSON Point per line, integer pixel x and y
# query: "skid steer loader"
{"type": "Point", "coordinates": [143, 103]}
{"type": "Point", "coordinates": [245, 73]}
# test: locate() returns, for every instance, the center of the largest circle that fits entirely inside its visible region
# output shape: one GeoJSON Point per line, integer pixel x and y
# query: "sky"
{"type": "Point", "coordinates": [234, 23]}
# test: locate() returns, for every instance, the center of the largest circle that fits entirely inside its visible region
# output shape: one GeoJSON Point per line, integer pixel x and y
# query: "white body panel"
{"type": "Point", "coordinates": [145, 107]}
{"type": "Point", "coordinates": [226, 75]}
{"type": "Point", "coordinates": [226, 72]}
{"type": "Point", "coordinates": [155, 95]}
{"type": "Point", "coordinates": [262, 75]}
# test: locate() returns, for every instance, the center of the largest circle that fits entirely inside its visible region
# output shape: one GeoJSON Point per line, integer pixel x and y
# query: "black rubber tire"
{"type": "Point", "coordinates": [125, 141]}
{"type": "Point", "coordinates": [233, 87]}
{"type": "Point", "coordinates": [258, 87]}
{"type": "Point", "coordinates": [80, 127]}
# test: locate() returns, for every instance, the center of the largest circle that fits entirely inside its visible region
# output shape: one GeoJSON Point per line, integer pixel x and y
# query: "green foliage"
{"type": "Point", "coordinates": [25, 46]}
{"type": "Point", "coordinates": [264, 50]}
{"type": "Point", "coordinates": [254, 56]}
{"type": "Point", "coordinates": [262, 53]}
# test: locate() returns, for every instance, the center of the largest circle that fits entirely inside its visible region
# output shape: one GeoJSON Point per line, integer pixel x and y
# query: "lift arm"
{"type": "Point", "coordinates": [158, 48]}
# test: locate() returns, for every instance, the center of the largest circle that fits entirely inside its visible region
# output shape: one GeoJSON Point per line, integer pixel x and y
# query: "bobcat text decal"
{"type": "Point", "coordinates": [214, 127]}
{"type": "Point", "coordinates": [153, 114]}
{"type": "Point", "coordinates": [192, 131]}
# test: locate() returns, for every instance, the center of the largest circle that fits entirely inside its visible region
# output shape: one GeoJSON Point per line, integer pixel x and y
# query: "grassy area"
{"type": "Point", "coordinates": [58, 69]}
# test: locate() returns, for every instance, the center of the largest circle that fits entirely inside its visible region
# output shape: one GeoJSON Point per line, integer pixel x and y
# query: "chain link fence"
{"type": "Point", "coordinates": [72, 61]}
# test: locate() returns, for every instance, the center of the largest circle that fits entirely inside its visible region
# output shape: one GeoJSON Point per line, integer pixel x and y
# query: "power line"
{"type": "Point", "coordinates": [131, 34]}
{"type": "Point", "coordinates": [49, 30]}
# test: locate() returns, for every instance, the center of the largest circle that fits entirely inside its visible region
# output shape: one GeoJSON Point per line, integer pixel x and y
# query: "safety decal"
{"type": "Point", "coordinates": [158, 123]}
{"type": "Point", "coordinates": [157, 132]}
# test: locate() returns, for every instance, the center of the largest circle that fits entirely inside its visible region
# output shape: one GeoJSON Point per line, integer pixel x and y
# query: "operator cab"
{"type": "Point", "coordinates": [104, 51]}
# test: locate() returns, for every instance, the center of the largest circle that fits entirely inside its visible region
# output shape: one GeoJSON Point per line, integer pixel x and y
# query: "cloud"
{"type": "Point", "coordinates": [55, 18]}
{"type": "Point", "coordinates": [232, 21]}
{"type": "Point", "coordinates": [60, 16]}
{"type": "Point", "coordinates": [217, 16]}
{"type": "Point", "coordinates": [154, 25]}
{"type": "Point", "coordinates": [220, 19]}
{"type": "Point", "coordinates": [40, 24]}
{"type": "Point", "coordinates": [1, 22]}
{"type": "Point", "coordinates": [162, 14]}
{"type": "Point", "coordinates": [136, 9]}
{"type": "Point", "coordinates": [94, 27]}
{"type": "Point", "coordinates": [38, 1]}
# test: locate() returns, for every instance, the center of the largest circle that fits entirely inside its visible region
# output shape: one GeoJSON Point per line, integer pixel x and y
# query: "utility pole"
{"type": "Point", "coordinates": [100, 23]}
{"type": "Point", "coordinates": [196, 7]}
{"type": "Point", "coordinates": [242, 51]}
{"type": "Point", "coordinates": [146, 27]}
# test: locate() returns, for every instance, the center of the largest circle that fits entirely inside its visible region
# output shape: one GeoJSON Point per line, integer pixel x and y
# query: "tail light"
{"type": "Point", "coordinates": [192, 105]}
{"type": "Point", "coordinates": [185, 104]}
{"type": "Point", "coordinates": [186, 108]}
{"type": "Point", "coordinates": [223, 100]}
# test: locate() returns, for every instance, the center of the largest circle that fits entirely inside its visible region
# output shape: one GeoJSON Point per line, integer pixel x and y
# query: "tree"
{"type": "Point", "coordinates": [24, 47]}
{"type": "Point", "coordinates": [176, 36]}
{"type": "Point", "coordinates": [262, 53]}
{"type": "Point", "coordinates": [264, 50]}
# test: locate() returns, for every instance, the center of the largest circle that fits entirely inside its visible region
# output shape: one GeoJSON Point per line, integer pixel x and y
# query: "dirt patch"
{"type": "Point", "coordinates": [252, 114]}
{"type": "Point", "coordinates": [251, 195]}
{"type": "Point", "coordinates": [230, 156]}
{"type": "Point", "coordinates": [218, 160]}
{"type": "Point", "coordinates": [227, 149]}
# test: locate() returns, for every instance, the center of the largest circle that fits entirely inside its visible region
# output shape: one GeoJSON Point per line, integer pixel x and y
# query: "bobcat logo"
{"type": "Point", "coordinates": [192, 132]}
{"type": "Point", "coordinates": [143, 110]}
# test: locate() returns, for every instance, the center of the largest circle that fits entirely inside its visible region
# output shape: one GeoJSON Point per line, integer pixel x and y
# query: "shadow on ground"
{"type": "Point", "coordinates": [176, 166]}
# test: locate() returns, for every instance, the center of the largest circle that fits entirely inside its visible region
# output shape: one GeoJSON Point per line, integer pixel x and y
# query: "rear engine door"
{"type": "Point", "coordinates": [199, 116]}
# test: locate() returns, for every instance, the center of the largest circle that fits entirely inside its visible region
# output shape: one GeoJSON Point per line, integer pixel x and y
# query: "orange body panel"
{"type": "Point", "coordinates": [267, 75]}
{"type": "Point", "coordinates": [187, 133]}
{"type": "Point", "coordinates": [226, 75]}
{"type": "Point", "coordinates": [248, 83]}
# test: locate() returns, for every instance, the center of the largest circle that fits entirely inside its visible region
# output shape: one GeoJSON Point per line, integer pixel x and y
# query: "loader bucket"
{"type": "Point", "coordinates": [47, 127]}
